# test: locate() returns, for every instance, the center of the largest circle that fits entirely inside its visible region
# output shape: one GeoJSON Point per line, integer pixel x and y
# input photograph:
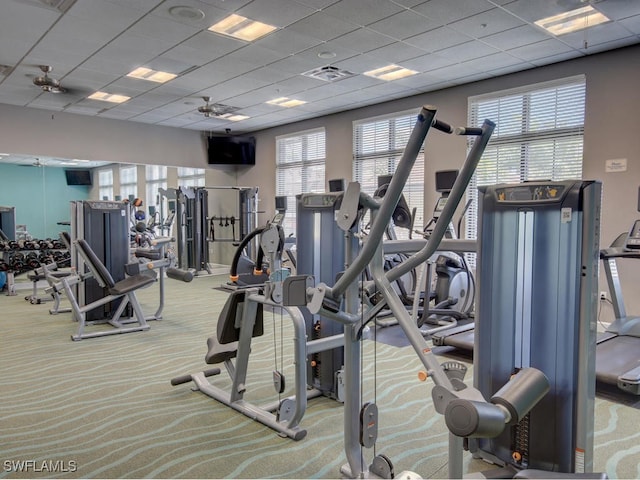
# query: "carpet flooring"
{"type": "Point", "coordinates": [104, 407]}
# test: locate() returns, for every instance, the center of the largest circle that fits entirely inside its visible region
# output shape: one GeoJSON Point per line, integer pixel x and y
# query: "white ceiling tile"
{"type": "Point", "coordinates": [428, 62]}
{"type": "Point", "coordinates": [467, 51]}
{"type": "Point", "coordinates": [404, 25]}
{"type": "Point", "coordinates": [617, 10]}
{"type": "Point", "coordinates": [603, 33]}
{"type": "Point", "coordinates": [284, 41]}
{"type": "Point", "coordinates": [362, 13]}
{"type": "Point", "coordinates": [322, 26]}
{"type": "Point", "coordinates": [515, 37]}
{"type": "Point", "coordinates": [453, 72]}
{"type": "Point", "coordinates": [448, 11]}
{"type": "Point", "coordinates": [155, 26]}
{"type": "Point", "coordinates": [256, 55]}
{"type": "Point", "coordinates": [363, 40]}
{"type": "Point", "coordinates": [632, 24]}
{"type": "Point", "coordinates": [545, 48]}
{"type": "Point", "coordinates": [487, 23]}
{"type": "Point", "coordinates": [212, 14]}
{"type": "Point", "coordinates": [531, 11]}
{"type": "Point", "coordinates": [395, 53]}
{"type": "Point", "coordinates": [492, 62]}
{"type": "Point", "coordinates": [218, 45]}
{"type": "Point", "coordinates": [276, 12]}
{"type": "Point", "coordinates": [97, 42]}
{"type": "Point", "coordinates": [361, 63]}
{"type": "Point", "coordinates": [295, 65]}
{"type": "Point", "coordinates": [438, 39]}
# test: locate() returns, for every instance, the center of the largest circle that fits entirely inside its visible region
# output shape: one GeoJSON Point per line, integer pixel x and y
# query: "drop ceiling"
{"type": "Point", "coordinates": [93, 44]}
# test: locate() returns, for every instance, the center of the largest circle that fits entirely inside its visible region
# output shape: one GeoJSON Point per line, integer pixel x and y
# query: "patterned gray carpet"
{"type": "Point", "coordinates": [104, 407]}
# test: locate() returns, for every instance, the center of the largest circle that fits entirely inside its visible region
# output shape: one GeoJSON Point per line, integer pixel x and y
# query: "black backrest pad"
{"type": "Point", "coordinates": [94, 263]}
{"type": "Point", "coordinates": [226, 331]}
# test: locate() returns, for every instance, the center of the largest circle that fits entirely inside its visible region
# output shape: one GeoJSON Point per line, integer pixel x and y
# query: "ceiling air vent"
{"type": "Point", "coordinates": [328, 74]}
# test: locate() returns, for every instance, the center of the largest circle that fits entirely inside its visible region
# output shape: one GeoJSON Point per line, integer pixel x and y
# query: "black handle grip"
{"type": "Point", "coordinates": [469, 131]}
{"type": "Point", "coordinates": [442, 126]}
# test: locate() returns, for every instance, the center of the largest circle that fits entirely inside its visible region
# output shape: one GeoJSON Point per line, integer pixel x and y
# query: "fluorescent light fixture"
{"type": "Point", "coordinates": [108, 97]}
{"type": "Point", "coordinates": [240, 27]}
{"type": "Point", "coordinates": [286, 102]}
{"type": "Point", "coordinates": [68, 163]}
{"type": "Point", "coordinates": [145, 73]}
{"type": "Point", "coordinates": [232, 117]}
{"type": "Point", "coordinates": [572, 21]}
{"type": "Point", "coordinates": [80, 160]}
{"type": "Point", "coordinates": [390, 72]}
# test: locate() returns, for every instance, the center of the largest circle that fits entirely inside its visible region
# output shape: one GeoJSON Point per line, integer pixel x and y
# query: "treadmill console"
{"type": "Point", "coordinates": [633, 238]}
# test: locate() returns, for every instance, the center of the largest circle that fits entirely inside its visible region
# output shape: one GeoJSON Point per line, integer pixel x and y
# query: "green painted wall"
{"type": "Point", "coordinates": [40, 196]}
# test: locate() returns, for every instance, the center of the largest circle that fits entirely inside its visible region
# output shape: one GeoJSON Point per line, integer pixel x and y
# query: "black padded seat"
{"type": "Point", "coordinates": [219, 352]}
{"type": "Point", "coordinates": [131, 283]}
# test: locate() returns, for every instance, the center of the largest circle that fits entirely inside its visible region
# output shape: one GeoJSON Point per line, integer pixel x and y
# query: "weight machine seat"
{"type": "Point", "coordinates": [219, 352]}
{"type": "Point", "coordinates": [543, 474]}
{"type": "Point", "coordinates": [103, 276]}
{"type": "Point", "coordinates": [224, 345]}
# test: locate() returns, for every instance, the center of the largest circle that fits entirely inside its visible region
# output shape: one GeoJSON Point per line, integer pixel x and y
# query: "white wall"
{"type": "Point", "coordinates": [611, 116]}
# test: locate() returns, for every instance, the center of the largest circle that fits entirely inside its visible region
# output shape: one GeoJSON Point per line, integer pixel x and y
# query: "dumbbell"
{"type": "Point", "coordinates": [4, 267]}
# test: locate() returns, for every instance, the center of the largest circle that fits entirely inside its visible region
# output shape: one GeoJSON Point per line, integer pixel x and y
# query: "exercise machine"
{"type": "Point", "coordinates": [122, 291]}
{"type": "Point", "coordinates": [239, 322]}
{"type": "Point", "coordinates": [618, 349]}
{"type": "Point", "coordinates": [514, 397]}
{"type": "Point", "coordinates": [537, 308]}
{"type": "Point", "coordinates": [453, 293]}
{"type": "Point", "coordinates": [340, 301]}
{"type": "Point", "coordinates": [104, 225]}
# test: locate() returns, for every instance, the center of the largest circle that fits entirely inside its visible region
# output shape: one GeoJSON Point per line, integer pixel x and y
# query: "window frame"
{"type": "Point", "coordinates": [399, 128]}
{"type": "Point", "coordinates": [529, 142]}
{"type": "Point", "coordinates": [310, 163]}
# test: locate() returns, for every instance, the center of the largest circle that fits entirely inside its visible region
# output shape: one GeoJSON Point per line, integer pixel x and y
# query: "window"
{"type": "Point", "coordinates": [156, 178]}
{"type": "Point", "coordinates": [190, 177]}
{"type": "Point", "coordinates": [538, 136]}
{"type": "Point", "coordinates": [105, 184]}
{"type": "Point", "coordinates": [300, 162]}
{"type": "Point", "coordinates": [128, 181]}
{"type": "Point", "coordinates": [378, 145]}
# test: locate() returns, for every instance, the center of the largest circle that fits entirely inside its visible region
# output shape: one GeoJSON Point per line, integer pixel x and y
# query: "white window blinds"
{"type": "Point", "coordinates": [191, 177]}
{"type": "Point", "coordinates": [300, 165]}
{"type": "Point", "coordinates": [538, 136]}
{"type": "Point", "coordinates": [105, 184]}
{"type": "Point", "coordinates": [128, 182]}
{"type": "Point", "coordinates": [377, 148]}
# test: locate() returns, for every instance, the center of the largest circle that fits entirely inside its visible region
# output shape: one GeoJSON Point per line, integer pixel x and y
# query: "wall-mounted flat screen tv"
{"type": "Point", "coordinates": [232, 150]}
{"type": "Point", "coordinates": [78, 177]}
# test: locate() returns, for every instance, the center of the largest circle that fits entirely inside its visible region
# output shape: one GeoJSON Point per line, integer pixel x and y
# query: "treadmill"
{"type": "Point", "coordinates": [618, 348]}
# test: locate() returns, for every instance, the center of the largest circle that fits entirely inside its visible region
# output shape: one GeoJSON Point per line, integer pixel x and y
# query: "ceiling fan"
{"type": "Point", "coordinates": [215, 109]}
{"type": "Point", "coordinates": [46, 83]}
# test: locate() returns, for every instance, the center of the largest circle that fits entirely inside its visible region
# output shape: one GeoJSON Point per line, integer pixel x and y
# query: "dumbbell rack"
{"type": "Point", "coordinates": [22, 256]}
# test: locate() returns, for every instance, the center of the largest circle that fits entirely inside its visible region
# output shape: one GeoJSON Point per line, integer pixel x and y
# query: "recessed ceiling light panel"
{"type": "Point", "coordinates": [390, 72]}
{"type": "Point", "coordinates": [572, 21]}
{"type": "Point", "coordinates": [242, 28]}
{"type": "Point", "coordinates": [286, 102]}
{"type": "Point", "coordinates": [108, 97]}
{"type": "Point", "coordinates": [145, 73]}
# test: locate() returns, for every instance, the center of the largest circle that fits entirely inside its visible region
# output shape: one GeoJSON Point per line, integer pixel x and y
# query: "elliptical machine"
{"type": "Point", "coordinates": [453, 291]}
